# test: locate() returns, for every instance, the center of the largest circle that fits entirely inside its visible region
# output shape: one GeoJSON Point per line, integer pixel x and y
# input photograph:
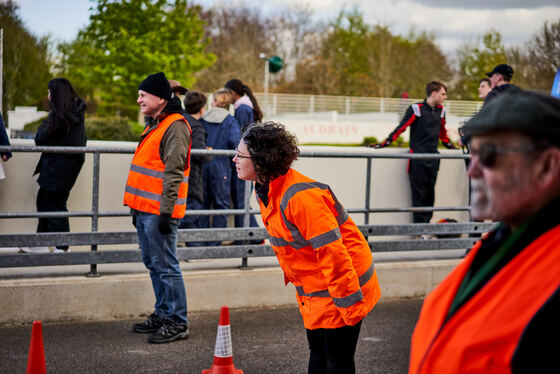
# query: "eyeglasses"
{"type": "Point", "coordinates": [241, 156]}
{"type": "Point", "coordinates": [487, 152]}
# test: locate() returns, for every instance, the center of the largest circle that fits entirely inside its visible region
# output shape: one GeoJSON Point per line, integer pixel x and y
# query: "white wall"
{"type": "Point", "coordinates": [333, 128]}
{"type": "Point", "coordinates": [22, 115]}
{"type": "Point", "coordinates": [390, 187]}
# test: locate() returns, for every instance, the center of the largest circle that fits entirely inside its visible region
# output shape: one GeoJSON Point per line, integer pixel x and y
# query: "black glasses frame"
{"type": "Point", "coordinates": [486, 153]}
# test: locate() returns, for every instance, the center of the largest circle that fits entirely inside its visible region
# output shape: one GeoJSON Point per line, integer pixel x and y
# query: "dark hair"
{"type": "Point", "coordinates": [64, 104]}
{"type": "Point", "coordinates": [194, 102]}
{"type": "Point", "coordinates": [487, 80]}
{"type": "Point", "coordinates": [271, 147]}
{"type": "Point", "coordinates": [434, 86]}
{"type": "Point", "coordinates": [241, 89]}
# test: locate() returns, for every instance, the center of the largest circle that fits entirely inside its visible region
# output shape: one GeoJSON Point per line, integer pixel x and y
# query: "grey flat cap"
{"type": "Point", "coordinates": [534, 114]}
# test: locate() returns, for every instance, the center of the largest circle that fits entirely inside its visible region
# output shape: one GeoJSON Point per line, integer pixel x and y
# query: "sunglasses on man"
{"type": "Point", "coordinates": [487, 152]}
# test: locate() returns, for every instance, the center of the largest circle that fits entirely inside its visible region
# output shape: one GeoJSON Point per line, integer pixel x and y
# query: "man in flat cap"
{"type": "Point", "coordinates": [156, 192]}
{"type": "Point", "coordinates": [498, 311]}
{"type": "Point", "coordinates": [500, 77]}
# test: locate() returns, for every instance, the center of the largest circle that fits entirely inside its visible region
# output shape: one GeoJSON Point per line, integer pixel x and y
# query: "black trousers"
{"type": "Point", "coordinates": [49, 201]}
{"type": "Point", "coordinates": [422, 175]}
{"type": "Point", "coordinates": [332, 350]}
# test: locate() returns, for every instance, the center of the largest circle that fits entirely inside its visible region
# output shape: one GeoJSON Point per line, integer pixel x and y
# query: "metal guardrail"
{"type": "Point", "coordinates": [95, 238]}
{"type": "Point", "coordinates": [444, 231]}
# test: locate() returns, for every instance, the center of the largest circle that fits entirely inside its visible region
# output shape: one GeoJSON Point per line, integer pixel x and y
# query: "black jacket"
{"type": "Point", "coordinates": [427, 126]}
{"type": "Point", "coordinates": [198, 142]}
{"type": "Point", "coordinates": [497, 91]}
{"type": "Point", "coordinates": [57, 171]}
{"type": "Point", "coordinates": [4, 138]}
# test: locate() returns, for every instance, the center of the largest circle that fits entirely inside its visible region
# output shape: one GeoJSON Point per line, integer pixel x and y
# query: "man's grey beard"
{"type": "Point", "coordinates": [480, 200]}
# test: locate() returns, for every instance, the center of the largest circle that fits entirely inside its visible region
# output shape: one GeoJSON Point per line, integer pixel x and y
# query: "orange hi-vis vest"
{"type": "Point", "coordinates": [321, 251]}
{"type": "Point", "coordinates": [483, 334]}
{"type": "Point", "coordinates": [144, 186]}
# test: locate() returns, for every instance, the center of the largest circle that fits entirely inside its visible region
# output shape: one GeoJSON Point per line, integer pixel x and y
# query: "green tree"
{"type": "Point", "coordinates": [475, 61]}
{"type": "Point", "coordinates": [362, 60]}
{"type": "Point", "coordinates": [127, 40]}
{"type": "Point", "coordinates": [26, 61]}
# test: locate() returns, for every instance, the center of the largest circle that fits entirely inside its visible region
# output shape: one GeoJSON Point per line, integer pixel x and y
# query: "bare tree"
{"type": "Point", "coordinates": [237, 38]}
{"type": "Point", "coordinates": [537, 63]}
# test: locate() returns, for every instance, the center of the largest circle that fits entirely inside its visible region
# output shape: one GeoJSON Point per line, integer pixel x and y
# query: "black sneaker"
{"type": "Point", "coordinates": [168, 332]}
{"type": "Point", "coordinates": [151, 324]}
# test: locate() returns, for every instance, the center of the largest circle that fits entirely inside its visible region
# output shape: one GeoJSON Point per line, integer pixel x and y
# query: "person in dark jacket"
{"type": "Point", "coordinates": [4, 140]}
{"type": "Point", "coordinates": [195, 107]}
{"type": "Point", "coordinates": [427, 127]}
{"type": "Point", "coordinates": [64, 127]}
{"type": "Point", "coordinates": [223, 133]}
{"type": "Point", "coordinates": [247, 111]}
{"type": "Point", "coordinates": [500, 77]}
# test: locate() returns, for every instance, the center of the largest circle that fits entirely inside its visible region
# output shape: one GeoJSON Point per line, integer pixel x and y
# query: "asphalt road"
{"type": "Point", "coordinates": [264, 341]}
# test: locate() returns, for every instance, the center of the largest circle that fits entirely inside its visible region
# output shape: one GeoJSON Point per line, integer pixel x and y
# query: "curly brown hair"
{"type": "Point", "coordinates": [272, 149]}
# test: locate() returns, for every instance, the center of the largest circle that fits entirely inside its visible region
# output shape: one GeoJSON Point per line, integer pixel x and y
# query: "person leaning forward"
{"type": "Point", "coordinates": [156, 192]}
{"type": "Point", "coordinates": [497, 312]}
{"type": "Point", "coordinates": [319, 247]}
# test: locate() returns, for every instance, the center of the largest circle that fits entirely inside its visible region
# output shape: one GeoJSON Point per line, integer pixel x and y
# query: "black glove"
{"type": "Point", "coordinates": [164, 224]}
{"type": "Point", "coordinates": [381, 145]}
{"type": "Point", "coordinates": [449, 145]}
{"type": "Point", "coordinates": [134, 220]}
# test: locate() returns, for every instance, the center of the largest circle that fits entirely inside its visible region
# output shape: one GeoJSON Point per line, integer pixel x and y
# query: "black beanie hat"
{"type": "Point", "coordinates": [158, 85]}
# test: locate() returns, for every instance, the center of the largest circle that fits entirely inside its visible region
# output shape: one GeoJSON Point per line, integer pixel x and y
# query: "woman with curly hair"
{"type": "Point", "coordinates": [247, 111]}
{"type": "Point", "coordinates": [318, 246]}
{"type": "Point", "coordinates": [64, 127]}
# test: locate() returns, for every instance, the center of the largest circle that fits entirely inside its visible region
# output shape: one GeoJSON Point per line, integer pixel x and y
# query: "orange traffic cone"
{"type": "Point", "coordinates": [36, 358]}
{"type": "Point", "coordinates": [223, 353]}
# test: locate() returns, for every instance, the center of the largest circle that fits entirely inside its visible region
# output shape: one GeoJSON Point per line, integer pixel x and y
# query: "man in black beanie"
{"type": "Point", "coordinates": [156, 192]}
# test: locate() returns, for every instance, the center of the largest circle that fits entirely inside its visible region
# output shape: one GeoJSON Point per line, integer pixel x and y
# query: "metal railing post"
{"type": "Point", "coordinates": [246, 222]}
{"type": "Point", "coordinates": [368, 187]}
{"type": "Point", "coordinates": [95, 209]}
{"type": "Point", "coordinates": [274, 104]}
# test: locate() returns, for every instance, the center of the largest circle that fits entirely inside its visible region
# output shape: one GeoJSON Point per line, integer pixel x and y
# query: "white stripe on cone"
{"type": "Point", "coordinates": [223, 342]}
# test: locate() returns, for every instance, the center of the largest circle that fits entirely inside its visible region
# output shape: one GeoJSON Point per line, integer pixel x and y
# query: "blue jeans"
{"type": "Point", "coordinates": [159, 253]}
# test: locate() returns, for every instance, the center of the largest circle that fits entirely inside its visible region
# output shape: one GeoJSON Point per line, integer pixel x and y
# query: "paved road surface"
{"type": "Point", "coordinates": [264, 341]}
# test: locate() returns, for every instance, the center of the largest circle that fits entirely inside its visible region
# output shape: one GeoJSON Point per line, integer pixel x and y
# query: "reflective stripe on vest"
{"type": "Point", "coordinates": [341, 302]}
{"type": "Point", "coordinates": [145, 179]}
{"type": "Point", "coordinates": [319, 240]}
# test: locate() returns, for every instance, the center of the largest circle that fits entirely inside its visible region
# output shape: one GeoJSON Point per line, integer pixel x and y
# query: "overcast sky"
{"type": "Point", "coordinates": [453, 22]}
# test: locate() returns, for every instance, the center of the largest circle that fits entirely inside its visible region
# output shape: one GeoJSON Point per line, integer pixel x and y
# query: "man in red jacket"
{"type": "Point", "coordinates": [427, 126]}
{"type": "Point", "coordinates": [497, 312]}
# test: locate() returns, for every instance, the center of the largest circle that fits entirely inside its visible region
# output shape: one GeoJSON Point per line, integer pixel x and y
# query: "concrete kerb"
{"type": "Point", "coordinates": [75, 297]}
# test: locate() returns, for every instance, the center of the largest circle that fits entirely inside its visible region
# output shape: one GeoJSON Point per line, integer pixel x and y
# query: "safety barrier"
{"type": "Point", "coordinates": [446, 236]}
